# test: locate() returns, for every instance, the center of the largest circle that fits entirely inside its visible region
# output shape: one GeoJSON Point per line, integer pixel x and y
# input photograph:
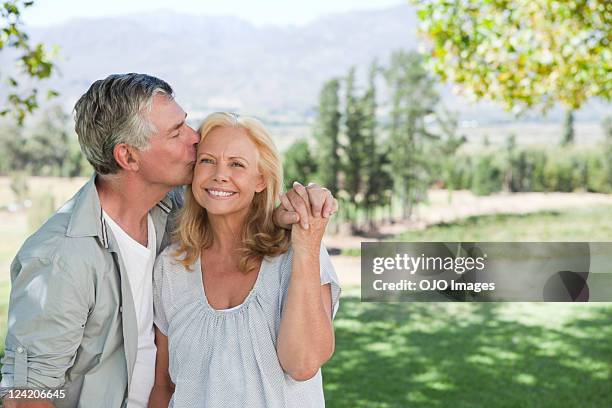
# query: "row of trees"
{"type": "Point", "coordinates": [377, 163]}
{"type": "Point", "coordinates": [532, 168]}
{"type": "Point", "coordinates": [351, 158]}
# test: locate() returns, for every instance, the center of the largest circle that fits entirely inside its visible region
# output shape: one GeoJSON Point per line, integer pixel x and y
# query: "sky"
{"type": "Point", "coordinates": [258, 12]}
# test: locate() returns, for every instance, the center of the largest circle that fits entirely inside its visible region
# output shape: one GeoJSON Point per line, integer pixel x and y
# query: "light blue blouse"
{"type": "Point", "coordinates": [227, 358]}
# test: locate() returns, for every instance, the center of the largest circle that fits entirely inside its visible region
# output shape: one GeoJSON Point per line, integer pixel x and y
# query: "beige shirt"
{"type": "Point", "coordinates": [71, 320]}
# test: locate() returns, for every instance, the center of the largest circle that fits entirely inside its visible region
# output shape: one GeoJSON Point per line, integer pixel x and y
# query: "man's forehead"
{"type": "Point", "coordinates": [167, 111]}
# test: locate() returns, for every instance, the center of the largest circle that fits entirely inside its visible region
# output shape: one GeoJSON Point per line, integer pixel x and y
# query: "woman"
{"type": "Point", "coordinates": [243, 309]}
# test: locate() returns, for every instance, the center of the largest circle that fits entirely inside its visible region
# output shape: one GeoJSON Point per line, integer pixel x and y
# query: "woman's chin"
{"type": "Point", "coordinates": [213, 212]}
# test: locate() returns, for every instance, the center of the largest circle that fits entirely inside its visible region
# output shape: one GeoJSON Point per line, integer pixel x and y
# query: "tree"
{"type": "Point", "coordinates": [33, 61]}
{"type": "Point", "coordinates": [326, 132]}
{"type": "Point", "coordinates": [413, 99]}
{"type": "Point", "coordinates": [606, 126]}
{"type": "Point", "coordinates": [13, 155]}
{"type": "Point", "coordinates": [568, 129]}
{"type": "Point", "coordinates": [446, 147]}
{"type": "Point", "coordinates": [354, 149]}
{"type": "Point", "coordinates": [522, 53]}
{"type": "Point", "coordinates": [298, 164]}
{"type": "Point", "coordinates": [48, 146]}
{"type": "Point", "coordinates": [377, 181]}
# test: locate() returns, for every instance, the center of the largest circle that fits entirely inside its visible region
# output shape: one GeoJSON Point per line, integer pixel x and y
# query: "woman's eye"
{"type": "Point", "coordinates": [237, 164]}
{"type": "Point", "coordinates": [205, 160]}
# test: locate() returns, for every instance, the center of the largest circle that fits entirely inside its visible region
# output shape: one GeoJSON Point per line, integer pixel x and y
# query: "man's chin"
{"type": "Point", "coordinates": [188, 178]}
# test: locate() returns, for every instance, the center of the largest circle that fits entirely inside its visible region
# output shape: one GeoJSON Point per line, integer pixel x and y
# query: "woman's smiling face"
{"type": "Point", "coordinates": [226, 175]}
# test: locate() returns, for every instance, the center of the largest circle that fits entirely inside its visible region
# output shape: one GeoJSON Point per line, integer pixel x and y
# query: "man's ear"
{"type": "Point", "coordinates": [126, 157]}
{"type": "Point", "coordinates": [261, 184]}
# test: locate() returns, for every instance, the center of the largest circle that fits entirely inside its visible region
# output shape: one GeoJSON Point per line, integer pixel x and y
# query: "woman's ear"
{"type": "Point", "coordinates": [261, 184]}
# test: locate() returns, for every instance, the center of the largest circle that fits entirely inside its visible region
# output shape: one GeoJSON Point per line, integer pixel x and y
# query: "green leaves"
{"type": "Point", "coordinates": [33, 61]}
{"type": "Point", "coordinates": [522, 53]}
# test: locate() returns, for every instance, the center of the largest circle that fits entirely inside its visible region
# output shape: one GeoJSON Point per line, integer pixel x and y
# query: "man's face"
{"type": "Point", "coordinates": [170, 157]}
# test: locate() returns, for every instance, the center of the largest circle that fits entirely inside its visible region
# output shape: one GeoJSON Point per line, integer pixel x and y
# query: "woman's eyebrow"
{"type": "Point", "coordinates": [229, 158]}
{"type": "Point", "coordinates": [239, 157]}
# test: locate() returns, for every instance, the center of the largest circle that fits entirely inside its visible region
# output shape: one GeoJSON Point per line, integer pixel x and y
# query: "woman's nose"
{"type": "Point", "coordinates": [220, 174]}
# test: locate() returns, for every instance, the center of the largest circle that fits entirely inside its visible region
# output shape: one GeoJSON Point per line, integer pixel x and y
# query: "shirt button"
{"type": "Point", "coordinates": [19, 350]}
{"type": "Point", "coordinates": [120, 309]}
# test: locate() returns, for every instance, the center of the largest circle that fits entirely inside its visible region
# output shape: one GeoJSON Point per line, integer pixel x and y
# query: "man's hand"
{"type": "Point", "coordinates": [299, 202]}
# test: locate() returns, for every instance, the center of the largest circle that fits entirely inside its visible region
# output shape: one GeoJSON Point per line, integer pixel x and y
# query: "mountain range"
{"type": "Point", "coordinates": [225, 63]}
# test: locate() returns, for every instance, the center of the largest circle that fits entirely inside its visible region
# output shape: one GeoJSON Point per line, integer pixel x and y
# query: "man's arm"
{"type": "Point", "coordinates": [48, 309]}
{"type": "Point", "coordinates": [163, 388]}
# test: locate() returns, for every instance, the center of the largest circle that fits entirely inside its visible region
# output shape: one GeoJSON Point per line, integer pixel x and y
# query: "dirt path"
{"type": "Point", "coordinates": [464, 204]}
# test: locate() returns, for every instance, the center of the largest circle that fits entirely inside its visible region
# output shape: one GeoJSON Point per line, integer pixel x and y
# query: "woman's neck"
{"type": "Point", "coordinates": [227, 231]}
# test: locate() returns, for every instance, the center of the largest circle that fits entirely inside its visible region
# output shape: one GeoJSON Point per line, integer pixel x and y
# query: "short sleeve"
{"type": "Point", "coordinates": [328, 275]}
{"type": "Point", "coordinates": [159, 313]}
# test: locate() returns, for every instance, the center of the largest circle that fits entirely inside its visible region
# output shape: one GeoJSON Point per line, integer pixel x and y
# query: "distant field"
{"type": "Point", "coordinates": [526, 133]}
{"type": "Point", "coordinates": [586, 133]}
{"type": "Point", "coordinates": [531, 133]}
{"type": "Point", "coordinates": [581, 224]}
{"type": "Point", "coordinates": [14, 225]}
{"type": "Point", "coordinates": [61, 188]}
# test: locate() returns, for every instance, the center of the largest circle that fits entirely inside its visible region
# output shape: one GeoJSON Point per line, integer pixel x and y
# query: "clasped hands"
{"type": "Point", "coordinates": [310, 206]}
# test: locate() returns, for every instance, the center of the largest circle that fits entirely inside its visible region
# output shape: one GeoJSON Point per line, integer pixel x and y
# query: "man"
{"type": "Point", "coordinates": [80, 315]}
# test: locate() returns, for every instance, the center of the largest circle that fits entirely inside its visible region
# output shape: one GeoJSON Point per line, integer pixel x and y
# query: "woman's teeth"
{"type": "Point", "coordinates": [220, 193]}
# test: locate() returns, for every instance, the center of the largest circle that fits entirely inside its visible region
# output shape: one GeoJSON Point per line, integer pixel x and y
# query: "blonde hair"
{"type": "Point", "coordinates": [259, 237]}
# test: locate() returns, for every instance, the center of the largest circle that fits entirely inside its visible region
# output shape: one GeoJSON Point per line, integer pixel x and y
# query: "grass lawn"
{"type": "Point", "coordinates": [478, 354]}
{"type": "Point", "coordinates": [470, 355]}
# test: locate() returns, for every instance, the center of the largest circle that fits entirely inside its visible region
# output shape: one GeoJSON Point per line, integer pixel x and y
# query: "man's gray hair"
{"type": "Point", "coordinates": [113, 111]}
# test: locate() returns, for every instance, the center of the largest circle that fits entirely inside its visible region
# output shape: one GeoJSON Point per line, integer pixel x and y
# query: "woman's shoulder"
{"type": "Point", "coordinates": [170, 258]}
{"type": "Point", "coordinates": [170, 250]}
{"type": "Point", "coordinates": [168, 253]}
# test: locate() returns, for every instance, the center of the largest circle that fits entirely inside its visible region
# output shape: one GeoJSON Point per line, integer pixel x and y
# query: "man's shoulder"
{"type": "Point", "coordinates": [52, 241]}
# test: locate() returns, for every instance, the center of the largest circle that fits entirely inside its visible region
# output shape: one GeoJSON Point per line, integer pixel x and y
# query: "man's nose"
{"type": "Point", "coordinates": [194, 136]}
